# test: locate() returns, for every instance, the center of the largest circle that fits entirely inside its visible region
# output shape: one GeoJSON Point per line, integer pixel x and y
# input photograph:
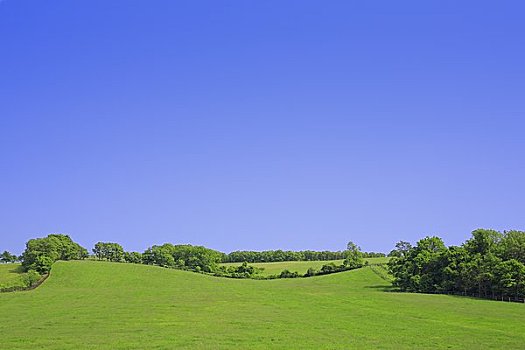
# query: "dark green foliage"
{"type": "Point", "coordinates": [512, 246]}
{"type": "Point", "coordinates": [281, 255]}
{"type": "Point", "coordinates": [490, 264]}
{"type": "Point", "coordinates": [133, 257]}
{"type": "Point", "coordinates": [401, 249]}
{"type": "Point", "coordinates": [353, 256]}
{"type": "Point", "coordinates": [288, 255]}
{"type": "Point", "coordinates": [288, 274]}
{"type": "Point", "coordinates": [328, 268]}
{"type": "Point", "coordinates": [42, 264]}
{"type": "Point", "coordinates": [242, 271]}
{"type": "Point", "coordinates": [196, 258]}
{"type": "Point", "coordinates": [30, 278]}
{"type": "Point", "coordinates": [7, 257]}
{"type": "Point", "coordinates": [109, 251]}
{"type": "Point", "coordinates": [310, 272]}
{"type": "Point", "coordinates": [41, 253]}
{"type": "Point", "coordinates": [332, 268]}
{"type": "Point", "coordinates": [373, 255]}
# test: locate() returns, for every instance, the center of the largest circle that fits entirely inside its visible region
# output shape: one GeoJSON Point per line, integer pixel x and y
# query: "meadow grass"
{"type": "Point", "coordinates": [11, 276]}
{"type": "Point", "coordinates": [275, 268]}
{"type": "Point", "coordinates": [101, 305]}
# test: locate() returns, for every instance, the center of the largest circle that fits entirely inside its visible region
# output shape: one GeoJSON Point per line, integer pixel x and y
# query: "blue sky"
{"type": "Point", "coordinates": [260, 124]}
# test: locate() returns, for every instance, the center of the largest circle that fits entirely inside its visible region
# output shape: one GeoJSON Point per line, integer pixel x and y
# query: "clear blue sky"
{"type": "Point", "coordinates": [260, 124]}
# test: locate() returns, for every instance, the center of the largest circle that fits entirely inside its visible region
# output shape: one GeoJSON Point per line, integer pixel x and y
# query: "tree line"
{"type": "Point", "coordinates": [490, 264]}
{"type": "Point", "coordinates": [288, 255]}
{"type": "Point", "coordinates": [352, 259]}
{"type": "Point", "coordinates": [41, 253]}
{"type": "Point", "coordinates": [202, 259]}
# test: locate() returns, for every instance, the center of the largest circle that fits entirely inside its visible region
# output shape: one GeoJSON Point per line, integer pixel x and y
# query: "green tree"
{"type": "Point", "coordinates": [483, 241]}
{"type": "Point", "coordinates": [42, 264]}
{"type": "Point", "coordinates": [310, 272]}
{"type": "Point", "coordinates": [109, 251]}
{"type": "Point", "coordinates": [420, 268]}
{"type": "Point", "coordinates": [487, 265]}
{"type": "Point", "coordinates": [513, 246]}
{"type": "Point", "coordinates": [30, 278]}
{"type": "Point", "coordinates": [353, 256]}
{"type": "Point", "coordinates": [133, 257]}
{"type": "Point", "coordinates": [41, 253]}
{"type": "Point", "coordinates": [288, 274]}
{"type": "Point", "coordinates": [183, 256]}
{"type": "Point", "coordinates": [401, 249]}
{"type": "Point", "coordinates": [7, 257]}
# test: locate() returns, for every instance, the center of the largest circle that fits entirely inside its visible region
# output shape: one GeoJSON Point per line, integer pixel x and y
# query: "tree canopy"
{"type": "Point", "coordinates": [41, 253]}
{"type": "Point", "coordinates": [183, 256]}
{"type": "Point", "coordinates": [7, 257]}
{"type": "Point", "coordinates": [109, 251]}
{"type": "Point", "coordinates": [489, 264]}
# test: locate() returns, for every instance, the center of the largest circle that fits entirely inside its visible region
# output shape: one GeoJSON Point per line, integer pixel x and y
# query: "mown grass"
{"type": "Point", "coordinates": [100, 305]}
{"type": "Point", "coordinates": [11, 275]}
{"type": "Point", "coordinates": [275, 268]}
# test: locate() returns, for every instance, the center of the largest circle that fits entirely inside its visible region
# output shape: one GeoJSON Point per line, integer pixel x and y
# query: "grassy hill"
{"type": "Point", "coordinates": [11, 276]}
{"type": "Point", "coordinates": [98, 305]}
{"type": "Point", "coordinates": [274, 268]}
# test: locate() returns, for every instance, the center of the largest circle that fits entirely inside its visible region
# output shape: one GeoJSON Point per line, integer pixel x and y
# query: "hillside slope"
{"type": "Point", "coordinates": [11, 275]}
{"type": "Point", "coordinates": [97, 305]}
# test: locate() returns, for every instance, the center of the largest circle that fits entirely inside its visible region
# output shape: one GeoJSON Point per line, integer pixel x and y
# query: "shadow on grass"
{"type": "Point", "coordinates": [17, 269]}
{"type": "Point", "coordinates": [382, 288]}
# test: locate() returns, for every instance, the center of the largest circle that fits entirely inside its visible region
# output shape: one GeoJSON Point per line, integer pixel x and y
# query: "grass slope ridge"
{"type": "Point", "coordinates": [98, 305]}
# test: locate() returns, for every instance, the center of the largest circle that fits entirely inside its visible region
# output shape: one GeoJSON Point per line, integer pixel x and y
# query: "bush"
{"type": "Point", "coordinates": [310, 272]}
{"type": "Point", "coordinates": [133, 257]}
{"type": "Point", "coordinates": [242, 271]}
{"type": "Point", "coordinates": [328, 268]}
{"type": "Point", "coordinates": [30, 278]}
{"type": "Point", "coordinates": [42, 264]}
{"type": "Point", "coordinates": [288, 274]}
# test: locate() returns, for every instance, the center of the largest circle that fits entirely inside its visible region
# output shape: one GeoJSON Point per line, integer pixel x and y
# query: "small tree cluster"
{"type": "Point", "coordinates": [288, 274]}
{"type": "Point", "coordinates": [7, 257]}
{"type": "Point", "coordinates": [133, 257]}
{"type": "Point", "coordinates": [41, 253]}
{"type": "Point", "coordinates": [242, 271]}
{"type": "Point", "coordinates": [109, 251]}
{"type": "Point", "coordinates": [184, 256]}
{"type": "Point", "coordinates": [353, 256]}
{"type": "Point", "coordinates": [373, 255]}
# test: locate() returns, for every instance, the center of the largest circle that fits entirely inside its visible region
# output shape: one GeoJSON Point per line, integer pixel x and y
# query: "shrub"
{"type": "Point", "coordinates": [288, 274]}
{"type": "Point", "coordinates": [310, 272]}
{"type": "Point", "coordinates": [30, 278]}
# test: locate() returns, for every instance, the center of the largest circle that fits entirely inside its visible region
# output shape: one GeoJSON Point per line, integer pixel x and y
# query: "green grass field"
{"type": "Point", "coordinates": [275, 268]}
{"type": "Point", "coordinates": [11, 276]}
{"type": "Point", "coordinates": [100, 305]}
